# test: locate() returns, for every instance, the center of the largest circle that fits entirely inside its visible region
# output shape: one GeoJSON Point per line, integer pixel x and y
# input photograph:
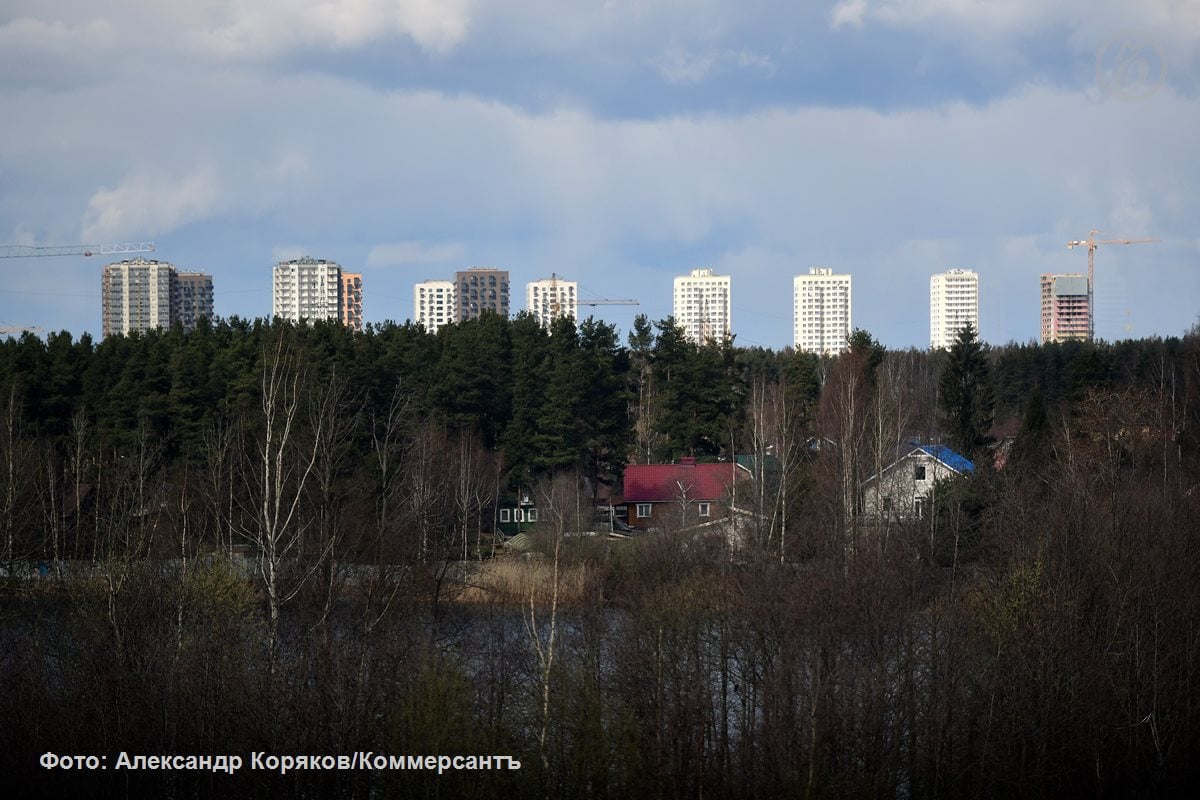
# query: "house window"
{"type": "Point", "coordinates": [531, 515]}
{"type": "Point", "coordinates": [887, 505]}
{"type": "Point", "coordinates": [518, 515]}
{"type": "Point", "coordinates": [643, 510]}
{"type": "Point", "coordinates": [918, 472]}
{"type": "Point", "coordinates": [703, 509]}
{"type": "Point", "coordinates": [505, 514]}
{"type": "Point", "coordinates": [921, 506]}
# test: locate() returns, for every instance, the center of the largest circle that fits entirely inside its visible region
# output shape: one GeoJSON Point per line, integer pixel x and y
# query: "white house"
{"type": "Point", "coordinates": [904, 489]}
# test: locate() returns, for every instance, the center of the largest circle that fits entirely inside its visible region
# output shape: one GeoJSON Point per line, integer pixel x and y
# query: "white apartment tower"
{"type": "Point", "coordinates": [141, 295]}
{"type": "Point", "coordinates": [550, 298]}
{"type": "Point", "coordinates": [702, 306]}
{"type": "Point", "coordinates": [307, 288]}
{"type": "Point", "coordinates": [821, 312]}
{"type": "Point", "coordinates": [433, 304]}
{"type": "Point", "coordinates": [953, 303]}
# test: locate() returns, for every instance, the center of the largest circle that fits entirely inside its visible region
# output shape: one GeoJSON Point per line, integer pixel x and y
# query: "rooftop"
{"type": "Point", "coordinates": [657, 483]}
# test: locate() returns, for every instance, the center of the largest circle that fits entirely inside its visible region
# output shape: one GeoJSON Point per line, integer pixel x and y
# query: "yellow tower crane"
{"type": "Point", "coordinates": [1092, 243]}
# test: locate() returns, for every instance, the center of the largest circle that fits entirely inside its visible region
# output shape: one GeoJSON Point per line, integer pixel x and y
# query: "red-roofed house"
{"type": "Point", "coordinates": [686, 493]}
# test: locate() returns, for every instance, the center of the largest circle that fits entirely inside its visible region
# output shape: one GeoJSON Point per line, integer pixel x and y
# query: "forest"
{"type": "Point", "coordinates": [260, 537]}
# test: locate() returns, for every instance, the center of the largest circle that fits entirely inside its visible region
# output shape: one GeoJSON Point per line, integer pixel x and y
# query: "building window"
{"type": "Point", "coordinates": [704, 509]}
{"type": "Point", "coordinates": [505, 514]}
{"type": "Point", "coordinates": [918, 472]}
{"type": "Point", "coordinates": [643, 510]}
{"type": "Point", "coordinates": [518, 515]}
{"type": "Point", "coordinates": [531, 515]}
{"type": "Point", "coordinates": [887, 505]}
{"type": "Point", "coordinates": [921, 506]}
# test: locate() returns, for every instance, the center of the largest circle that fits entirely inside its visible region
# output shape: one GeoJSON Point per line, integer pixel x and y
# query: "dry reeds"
{"type": "Point", "coordinates": [512, 580]}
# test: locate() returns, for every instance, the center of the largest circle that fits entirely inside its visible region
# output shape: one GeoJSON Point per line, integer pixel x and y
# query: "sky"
{"type": "Point", "coordinates": [616, 143]}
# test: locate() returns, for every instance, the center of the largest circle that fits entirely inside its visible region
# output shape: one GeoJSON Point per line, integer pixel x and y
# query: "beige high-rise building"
{"type": "Point", "coordinates": [1066, 309]}
{"type": "Point", "coordinates": [821, 312]}
{"type": "Point", "coordinates": [953, 304]}
{"type": "Point", "coordinates": [140, 295]}
{"type": "Point", "coordinates": [433, 304]}
{"type": "Point", "coordinates": [480, 289]}
{"type": "Point", "coordinates": [550, 298]}
{"type": "Point", "coordinates": [702, 305]}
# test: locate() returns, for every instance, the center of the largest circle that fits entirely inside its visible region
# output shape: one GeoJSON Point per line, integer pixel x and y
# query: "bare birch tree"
{"type": "Point", "coordinates": [16, 456]}
{"type": "Point", "coordinates": [559, 502]}
{"type": "Point", "coordinates": [276, 477]}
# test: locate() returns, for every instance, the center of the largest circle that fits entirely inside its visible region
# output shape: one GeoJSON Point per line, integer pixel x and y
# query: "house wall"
{"type": "Point", "coordinates": [667, 514]}
{"type": "Point", "coordinates": [903, 488]}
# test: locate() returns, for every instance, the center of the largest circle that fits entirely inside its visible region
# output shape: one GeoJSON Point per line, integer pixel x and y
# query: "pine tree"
{"type": "Point", "coordinates": [965, 394]}
{"type": "Point", "coordinates": [529, 345]}
{"type": "Point", "coordinates": [559, 439]}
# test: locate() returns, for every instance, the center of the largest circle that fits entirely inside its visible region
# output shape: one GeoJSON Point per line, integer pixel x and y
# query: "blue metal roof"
{"type": "Point", "coordinates": [953, 460]}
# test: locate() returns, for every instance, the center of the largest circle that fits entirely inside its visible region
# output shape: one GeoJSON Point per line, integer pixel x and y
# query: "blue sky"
{"type": "Point", "coordinates": [614, 143]}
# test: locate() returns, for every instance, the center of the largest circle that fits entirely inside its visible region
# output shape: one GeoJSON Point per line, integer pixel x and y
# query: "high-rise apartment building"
{"type": "Point", "coordinates": [433, 304]}
{"type": "Point", "coordinates": [702, 306]}
{"type": "Point", "coordinates": [1066, 310]}
{"type": "Point", "coordinates": [141, 295]}
{"type": "Point", "coordinates": [192, 298]}
{"type": "Point", "coordinates": [953, 304]}
{"type": "Point", "coordinates": [821, 311]}
{"type": "Point", "coordinates": [480, 289]}
{"type": "Point", "coordinates": [312, 289]}
{"type": "Point", "coordinates": [551, 298]}
{"type": "Point", "coordinates": [307, 289]}
{"type": "Point", "coordinates": [351, 313]}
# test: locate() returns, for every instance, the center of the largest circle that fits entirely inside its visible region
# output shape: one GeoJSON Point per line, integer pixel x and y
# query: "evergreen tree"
{"type": "Point", "coordinates": [608, 434]}
{"type": "Point", "coordinates": [801, 375]}
{"type": "Point", "coordinates": [965, 394]}
{"type": "Point", "coordinates": [1034, 436]}
{"type": "Point", "coordinates": [560, 434]}
{"type": "Point", "coordinates": [529, 351]}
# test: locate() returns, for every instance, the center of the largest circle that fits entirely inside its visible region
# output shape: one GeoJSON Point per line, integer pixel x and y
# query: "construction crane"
{"type": "Point", "coordinates": [24, 251]}
{"type": "Point", "coordinates": [555, 306]}
{"type": "Point", "coordinates": [1092, 243]}
{"type": "Point", "coordinates": [605, 302]}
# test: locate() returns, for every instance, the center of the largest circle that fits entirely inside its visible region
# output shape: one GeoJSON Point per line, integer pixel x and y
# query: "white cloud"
{"type": "Point", "coordinates": [39, 52]}
{"type": "Point", "coordinates": [678, 66]}
{"type": "Point", "coordinates": [401, 253]}
{"type": "Point", "coordinates": [1175, 24]}
{"type": "Point", "coordinates": [848, 14]}
{"type": "Point", "coordinates": [29, 33]}
{"type": "Point", "coordinates": [150, 204]}
{"type": "Point", "coordinates": [265, 27]}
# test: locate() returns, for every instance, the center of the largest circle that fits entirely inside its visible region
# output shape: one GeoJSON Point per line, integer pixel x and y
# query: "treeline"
{"type": "Point", "coordinates": [580, 399]}
{"type": "Point", "coordinates": [262, 537]}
